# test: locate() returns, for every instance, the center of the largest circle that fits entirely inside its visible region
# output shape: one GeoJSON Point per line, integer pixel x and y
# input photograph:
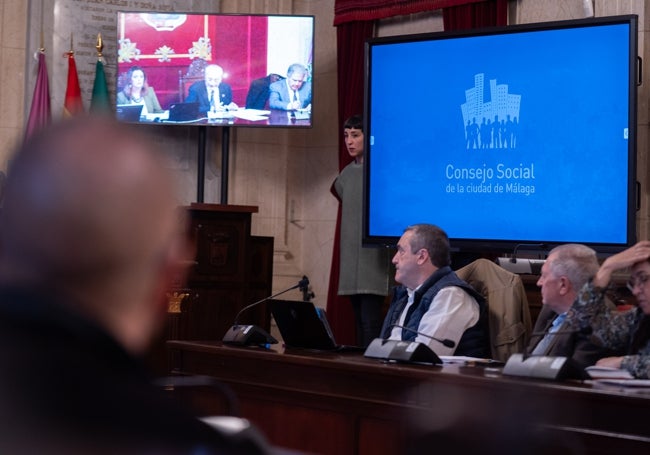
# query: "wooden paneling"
{"type": "Point", "coordinates": [231, 269]}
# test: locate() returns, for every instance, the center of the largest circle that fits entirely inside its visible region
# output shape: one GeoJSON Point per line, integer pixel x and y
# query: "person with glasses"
{"type": "Point", "coordinates": [628, 330]}
{"type": "Point", "coordinates": [566, 269]}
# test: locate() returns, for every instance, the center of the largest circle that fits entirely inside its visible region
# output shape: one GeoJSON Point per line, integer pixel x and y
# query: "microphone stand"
{"type": "Point", "coordinates": [513, 259]}
{"type": "Point", "coordinates": [244, 335]}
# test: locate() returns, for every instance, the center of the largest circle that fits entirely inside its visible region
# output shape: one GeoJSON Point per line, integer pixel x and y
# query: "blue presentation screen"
{"type": "Point", "coordinates": [524, 136]}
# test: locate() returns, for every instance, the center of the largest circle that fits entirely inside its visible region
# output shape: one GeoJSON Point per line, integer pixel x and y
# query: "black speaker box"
{"type": "Point", "coordinates": [543, 367]}
{"type": "Point", "coordinates": [244, 335]}
{"type": "Point", "coordinates": [401, 351]}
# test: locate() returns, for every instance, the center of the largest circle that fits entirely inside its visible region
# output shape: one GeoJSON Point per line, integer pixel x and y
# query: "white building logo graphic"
{"type": "Point", "coordinates": [492, 124]}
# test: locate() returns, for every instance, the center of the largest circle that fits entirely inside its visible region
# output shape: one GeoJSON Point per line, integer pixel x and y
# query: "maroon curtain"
{"type": "Point", "coordinates": [369, 10]}
{"type": "Point", "coordinates": [355, 22]}
{"type": "Point", "coordinates": [475, 15]}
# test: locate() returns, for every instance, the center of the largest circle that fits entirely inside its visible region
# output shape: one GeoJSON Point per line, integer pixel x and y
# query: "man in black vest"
{"type": "Point", "coordinates": [432, 301]}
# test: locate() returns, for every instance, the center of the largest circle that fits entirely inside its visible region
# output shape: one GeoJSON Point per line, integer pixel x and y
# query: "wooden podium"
{"type": "Point", "coordinates": [231, 269]}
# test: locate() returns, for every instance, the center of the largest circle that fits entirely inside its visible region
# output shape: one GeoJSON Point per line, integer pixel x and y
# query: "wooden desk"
{"type": "Point", "coordinates": [333, 403]}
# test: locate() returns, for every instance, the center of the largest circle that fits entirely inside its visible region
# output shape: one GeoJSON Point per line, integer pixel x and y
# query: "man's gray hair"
{"type": "Point", "coordinates": [575, 261]}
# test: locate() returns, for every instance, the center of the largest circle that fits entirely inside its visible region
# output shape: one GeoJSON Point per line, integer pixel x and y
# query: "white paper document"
{"type": "Point", "coordinates": [625, 382]}
{"type": "Point", "coordinates": [252, 114]}
{"type": "Point", "coordinates": [596, 372]}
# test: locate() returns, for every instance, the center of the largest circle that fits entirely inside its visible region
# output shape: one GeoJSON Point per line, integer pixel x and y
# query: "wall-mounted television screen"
{"type": "Point", "coordinates": [215, 69]}
{"type": "Point", "coordinates": [507, 136]}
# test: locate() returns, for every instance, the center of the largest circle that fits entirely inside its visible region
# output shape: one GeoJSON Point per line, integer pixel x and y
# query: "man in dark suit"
{"type": "Point", "coordinates": [91, 242]}
{"type": "Point", "coordinates": [212, 93]}
{"type": "Point", "coordinates": [292, 93]}
{"type": "Point", "coordinates": [565, 271]}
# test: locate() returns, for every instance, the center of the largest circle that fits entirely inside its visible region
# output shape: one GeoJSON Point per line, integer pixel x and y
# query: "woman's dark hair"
{"type": "Point", "coordinates": [356, 122]}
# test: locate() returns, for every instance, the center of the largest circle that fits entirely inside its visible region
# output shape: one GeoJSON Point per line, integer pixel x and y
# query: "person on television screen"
{"type": "Point", "coordinates": [212, 94]}
{"type": "Point", "coordinates": [566, 269]}
{"type": "Point", "coordinates": [431, 300]}
{"type": "Point", "coordinates": [615, 329]}
{"type": "Point", "coordinates": [292, 93]}
{"type": "Point", "coordinates": [92, 239]}
{"type": "Point", "coordinates": [364, 272]}
{"type": "Point", "coordinates": [137, 91]}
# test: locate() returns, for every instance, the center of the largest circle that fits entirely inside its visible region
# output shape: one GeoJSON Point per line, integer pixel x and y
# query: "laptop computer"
{"type": "Point", "coordinates": [303, 325]}
{"type": "Point", "coordinates": [184, 112]}
{"type": "Point", "coordinates": [128, 112]}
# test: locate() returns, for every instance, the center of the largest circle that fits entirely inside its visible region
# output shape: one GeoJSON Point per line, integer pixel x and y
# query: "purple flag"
{"type": "Point", "coordinates": [40, 114]}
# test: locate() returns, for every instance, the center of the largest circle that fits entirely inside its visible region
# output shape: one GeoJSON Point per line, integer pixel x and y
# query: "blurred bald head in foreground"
{"type": "Point", "coordinates": [90, 214]}
{"type": "Point", "coordinates": [91, 238]}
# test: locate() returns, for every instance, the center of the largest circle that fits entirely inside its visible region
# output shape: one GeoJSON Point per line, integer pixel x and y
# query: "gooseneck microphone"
{"type": "Point", "coordinates": [406, 351]}
{"type": "Point", "coordinates": [513, 259]}
{"type": "Point", "coordinates": [402, 351]}
{"type": "Point", "coordinates": [303, 285]}
{"type": "Point", "coordinates": [244, 335]}
{"type": "Point", "coordinates": [445, 342]}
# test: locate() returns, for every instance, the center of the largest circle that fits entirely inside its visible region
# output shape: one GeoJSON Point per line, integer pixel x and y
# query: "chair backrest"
{"type": "Point", "coordinates": [509, 318]}
{"type": "Point", "coordinates": [195, 72]}
{"type": "Point", "coordinates": [122, 80]}
{"type": "Point", "coordinates": [258, 92]}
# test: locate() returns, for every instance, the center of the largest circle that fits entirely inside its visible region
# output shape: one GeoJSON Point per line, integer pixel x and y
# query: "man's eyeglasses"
{"type": "Point", "coordinates": [638, 280]}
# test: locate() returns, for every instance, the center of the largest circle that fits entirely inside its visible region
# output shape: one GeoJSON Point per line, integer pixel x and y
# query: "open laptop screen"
{"type": "Point", "coordinates": [302, 325]}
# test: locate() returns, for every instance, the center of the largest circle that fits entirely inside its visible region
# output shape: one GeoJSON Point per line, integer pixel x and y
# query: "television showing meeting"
{"type": "Point", "coordinates": [215, 69]}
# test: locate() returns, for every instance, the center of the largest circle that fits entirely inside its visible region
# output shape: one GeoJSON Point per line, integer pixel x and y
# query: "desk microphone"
{"type": "Point", "coordinates": [513, 259]}
{"type": "Point", "coordinates": [244, 335]}
{"type": "Point", "coordinates": [545, 366]}
{"type": "Point", "coordinates": [446, 342]}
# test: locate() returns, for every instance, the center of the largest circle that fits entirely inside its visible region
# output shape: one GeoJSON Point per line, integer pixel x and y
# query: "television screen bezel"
{"type": "Point", "coordinates": [225, 123]}
{"type": "Point", "coordinates": [486, 245]}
